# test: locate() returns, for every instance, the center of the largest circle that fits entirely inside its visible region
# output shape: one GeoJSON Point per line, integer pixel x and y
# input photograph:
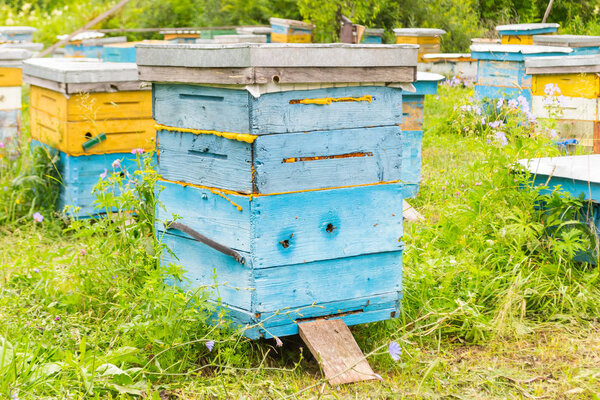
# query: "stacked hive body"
{"type": "Point", "coordinates": [255, 30]}
{"type": "Point", "coordinates": [123, 52]}
{"type": "Point", "coordinates": [16, 34]}
{"type": "Point", "coordinates": [228, 39]}
{"type": "Point", "coordinates": [580, 44]}
{"type": "Point", "coordinates": [413, 110]}
{"type": "Point", "coordinates": [577, 175]}
{"type": "Point", "coordinates": [181, 35]}
{"type": "Point", "coordinates": [93, 113]}
{"type": "Point", "coordinates": [89, 44]}
{"type": "Point", "coordinates": [429, 40]}
{"type": "Point", "coordinates": [373, 36]}
{"type": "Point", "coordinates": [10, 93]}
{"type": "Point", "coordinates": [501, 69]}
{"type": "Point", "coordinates": [450, 64]}
{"type": "Point", "coordinates": [290, 31]}
{"type": "Point", "coordinates": [522, 34]}
{"type": "Point", "coordinates": [300, 183]}
{"type": "Point", "coordinates": [576, 104]}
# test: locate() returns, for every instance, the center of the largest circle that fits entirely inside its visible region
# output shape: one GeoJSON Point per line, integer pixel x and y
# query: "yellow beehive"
{"type": "Point", "coordinates": [523, 33]}
{"type": "Point", "coordinates": [429, 40]}
{"type": "Point", "coordinates": [67, 110]}
{"type": "Point", "coordinates": [290, 31]}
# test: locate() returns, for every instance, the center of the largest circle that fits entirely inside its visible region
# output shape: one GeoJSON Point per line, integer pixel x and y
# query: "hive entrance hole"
{"type": "Point", "coordinates": [88, 135]}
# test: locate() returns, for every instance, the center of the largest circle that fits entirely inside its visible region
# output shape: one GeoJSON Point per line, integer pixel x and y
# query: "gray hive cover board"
{"type": "Point", "coordinates": [290, 22]}
{"type": "Point", "coordinates": [525, 27]}
{"type": "Point", "coordinates": [103, 41]}
{"type": "Point", "coordinates": [280, 55]}
{"type": "Point", "coordinates": [80, 70]}
{"type": "Point", "coordinates": [419, 32]}
{"type": "Point", "coordinates": [253, 30]}
{"type": "Point", "coordinates": [25, 46]}
{"type": "Point", "coordinates": [583, 168]}
{"type": "Point", "coordinates": [12, 30]}
{"type": "Point", "coordinates": [519, 48]}
{"type": "Point", "coordinates": [567, 40]}
{"type": "Point", "coordinates": [563, 64]}
{"type": "Point", "coordinates": [12, 54]}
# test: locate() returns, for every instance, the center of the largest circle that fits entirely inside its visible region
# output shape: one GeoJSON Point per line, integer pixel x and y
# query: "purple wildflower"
{"type": "Point", "coordinates": [137, 151]}
{"type": "Point", "coordinates": [512, 103]}
{"type": "Point", "coordinates": [37, 217]}
{"type": "Point", "coordinates": [477, 183]}
{"type": "Point", "coordinates": [458, 193]}
{"type": "Point", "coordinates": [501, 137]}
{"type": "Point", "coordinates": [477, 110]}
{"type": "Point", "coordinates": [465, 108]}
{"type": "Point", "coordinates": [57, 318]}
{"type": "Point", "coordinates": [553, 133]}
{"type": "Point", "coordinates": [82, 252]}
{"type": "Point", "coordinates": [1, 145]}
{"type": "Point", "coordinates": [210, 344]}
{"type": "Point", "coordinates": [103, 175]}
{"type": "Point", "coordinates": [482, 120]}
{"type": "Point", "coordinates": [116, 164]}
{"type": "Point", "coordinates": [531, 117]}
{"type": "Point", "coordinates": [500, 103]}
{"type": "Point", "coordinates": [278, 342]}
{"type": "Point", "coordinates": [394, 350]}
{"type": "Point", "coordinates": [496, 124]}
{"type": "Point", "coordinates": [37, 271]}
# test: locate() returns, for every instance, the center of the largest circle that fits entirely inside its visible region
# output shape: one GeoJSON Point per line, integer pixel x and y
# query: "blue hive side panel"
{"type": "Point", "coordinates": [224, 278]}
{"type": "Point", "coordinates": [581, 51]}
{"type": "Point", "coordinates": [590, 191]}
{"type": "Point", "coordinates": [372, 40]}
{"type": "Point", "coordinates": [495, 92]}
{"type": "Point", "coordinates": [206, 160]}
{"type": "Point", "coordinates": [10, 125]}
{"type": "Point", "coordinates": [119, 54]}
{"type": "Point", "coordinates": [504, 56]}
{"type": "Point", "coordinates": [201, 107]}
{"type": "Point", "coordinates": [423, 88]}
{"type": "Point", "coordinates": [503, 73]}
{"type": "Point", "coordinates": [292, 228]}
{"type": "Point", "coordinates": [411, 157]}
{"type": "Point", "coordinates": [282, 113]}
{"type": "Point", "coordinates": [327, 281]}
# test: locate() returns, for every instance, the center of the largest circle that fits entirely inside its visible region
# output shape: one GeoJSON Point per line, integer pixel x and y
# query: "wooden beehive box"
{"type": "Point", "coordinates": [228, 39]}
{"type": "Point", "coordinates": [577, 175]}
{"type": "Point", "coordinates": [428, 39]}
{"type": "Point", "coordinates": [373, 36]}
{"type": "Point", "coordinates": [413, 110]}
{"type": "Point", "coordinates": [450, 65]}
{"type": "Point", "coordinates": [290, 31]}
{"type": "Point", "coordinates": [501, 68]}
{"type": "Point", "coordinates": [89, 44]}
{"type": "Point", "coordinates": [74, 102]}
{"type": "Point", "coordinates": [11, 60]}
{"type": "Point", "coordinates": [522, 34]}
{"type": "Point", "coordinates": [579, 101]}
{"type": "Point", "coordinates": [16, 34]}
{"type": "Point", "coordinates": [181, 35]}
{"type": "Point", "coordinates": [255, 30]}
{"type": "Point", "coordinates": [580, 44]}
{"type": "Point", "coordinates": [293, 164]}
{"type": "Point", "coordinates": [123, 52]}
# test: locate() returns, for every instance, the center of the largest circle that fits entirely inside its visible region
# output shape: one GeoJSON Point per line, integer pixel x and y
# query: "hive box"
{"type": "Point", "coordinates": [16, 34]}
{"type": "Point", "coordinates": [413, 110]}
{"type": "Point", "coordinates": [501, 69]}
{"type": "Point", "coordinates": [224, 39]}
{"type": "Point", "coordinates": [578, 104]}
{"type": "Point", "coordinates": [89, 44]}
{"type": "Point", "coordinates": [577, 175]}
{"type": "Point", "coordinates": [428, 39]}
{"type": "Point", "coordinates": [181, 35]}
{"type": "Point", "coordinates": [373, 36]}
{"type": "Point", "coordinates": [522, 34]}
{"type": "Point", "coordinates": [290, 31]}
{"type": "Point", "coordinates": [450, 65]}
{"type": "Point", "coordinates": [580, 44]}
{"type": "Point", "coordinates": [290, 189]}
{"type": "Point", "coordinates": [123, 52]}
{"type": "Point", "coordinates": [73, 101]}
{"type": "Point", "coordinates": [10, 93]}
{"type": "Point", "coordinates": [255, 30]}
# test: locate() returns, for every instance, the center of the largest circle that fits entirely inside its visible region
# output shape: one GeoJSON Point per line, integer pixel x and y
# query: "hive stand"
{"type": "Point", "coordinates": [429, 40]}
{"type": "Point", "coordinates": [75, 104]}
{"type": "Point", "coordinates": [501, 69]}
{"type": "Point", "coordinates": [581, 44]}
{"type": "Point", "coordinates": [579, 84]}
{"type": "Point", "coordinates": [262, 168]}
{"type": "Point", "coordinates": [522, 34]}
{"type": "Point", "coordinates": [11, 60]}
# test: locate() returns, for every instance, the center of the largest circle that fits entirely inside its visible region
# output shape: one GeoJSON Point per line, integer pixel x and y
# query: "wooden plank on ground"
{"type": "Point", "coordinates": [409, 213]}
{"type": "Point", "coordinates": [338, 354]}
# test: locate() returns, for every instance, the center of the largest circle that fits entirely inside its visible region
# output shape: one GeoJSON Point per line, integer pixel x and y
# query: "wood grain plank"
{"type": "Point", "coordinates": [571, 108]}
{"type": "Point", "coordinates": [334, 347]}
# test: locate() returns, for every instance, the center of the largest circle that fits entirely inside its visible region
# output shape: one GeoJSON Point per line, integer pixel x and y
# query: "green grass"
{"type": "Point", "coordinates": [494, 304]}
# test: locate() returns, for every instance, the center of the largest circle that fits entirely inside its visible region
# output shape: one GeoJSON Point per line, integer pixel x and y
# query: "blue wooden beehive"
{"type": "Point", "coordinates": [577, 175]}
{"type": "Point", "coordinates": [413, 110]}
{"type": "Point", "coordinates": [16, 34]}
{"type": "Point", "coordinates": [581, 44]}
{"type": "Point", "coordinates": [11, 60]}
{"type": "Point", "coordinates": [522, 34]}
{"type": "Point", "coordinates": [293, 167]}
{"type": "Point", "coordinates": [373, 36]}
{"type": "Point", "coordinates": [89, 44]}
{"type": "Point", "coordinates": [501, 68]}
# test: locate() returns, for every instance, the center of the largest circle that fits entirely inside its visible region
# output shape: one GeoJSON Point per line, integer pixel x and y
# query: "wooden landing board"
{"type": "Point", "coordinates": [338, 354]}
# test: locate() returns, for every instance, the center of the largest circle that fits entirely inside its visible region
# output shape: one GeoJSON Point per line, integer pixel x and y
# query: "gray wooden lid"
{"type": "Point", "coordinates": [374, 31]}
{"type": "Point", "coordinates": [567, 40]}
{"type": "Point", "coordinates": [180, 31]}
{"type": "Point", "coordinates": [518, 48]}
{"type": "Point", "coordinates": [253, 30]}
{"type": "Point", "coordinates": [247, 55]}
{"type": "Point", "coordinates": [13, 30]}
{"type": "Point", "coordinates": [583, 168]}
{"type": "Point", "coordinates": [11, 54]}
{"type": "Point", "coordinates": [24, 46]}
{"type": "Point", "coordinates": [222, 39]}
{"type": "Point", "coordinates": [563, 64]}
{"type": "Point", "coordinates": [290, 22]}
{"type": "Point", "coordinates": [103, 41]}
{"type": "Point", "coordinates": [82, 36]}
{"type": "Point", "coordinates": [443, 56]}
{"type": "Point", "coordinates": [419, 32]}
{"type": "Point", "coordinates": [80, 70]}
{"type": "Point", "coordinates": [485, 41]}
{"type": "Point", "coordinates": [525, 27]}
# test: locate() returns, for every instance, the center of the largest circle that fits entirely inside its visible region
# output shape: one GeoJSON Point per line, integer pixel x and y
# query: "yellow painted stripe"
{"type": "Point", "coordinates": [329, 100]}
{"type": "Point", "coordinates": [517, 39]}
{"type": "Point", "coordinates": [283, 38]}
{"type": "Point", "coordinates": [418, 39]}
{"type": "Point", "coordinates": [231, 192]}
{"type": "Point", "coordinates": [240, 137]}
